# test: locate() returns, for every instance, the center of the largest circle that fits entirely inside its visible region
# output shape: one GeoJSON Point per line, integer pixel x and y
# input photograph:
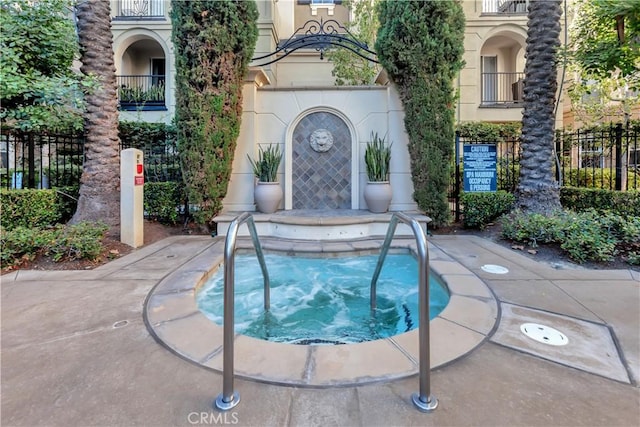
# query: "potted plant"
{"type": "Point", "coordinates": [267, 192]}
{"type": "Point", "coordinates": [377, 157]}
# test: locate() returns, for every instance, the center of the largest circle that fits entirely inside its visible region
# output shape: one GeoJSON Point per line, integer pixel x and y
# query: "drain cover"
{"type": "Point", "coordinates": [495, 269]}
{"type": "Point", "coordinates": [544, 334]}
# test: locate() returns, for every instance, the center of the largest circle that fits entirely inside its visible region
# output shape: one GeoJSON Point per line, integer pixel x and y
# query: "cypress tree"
{"type": "Point", "coordinates": [214, 41]}
{"type": "Point", "coordinates": [420, 44]}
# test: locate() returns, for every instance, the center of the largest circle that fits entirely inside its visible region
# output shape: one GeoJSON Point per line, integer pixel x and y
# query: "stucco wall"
{"type": "Point", "coordinates": [271, 115]}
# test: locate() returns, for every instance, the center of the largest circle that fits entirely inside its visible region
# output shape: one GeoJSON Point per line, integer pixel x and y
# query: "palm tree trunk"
{"type": "Point", "coordinates": [100, 182]}
{"type": "Point", "coordinates": [538, 190]}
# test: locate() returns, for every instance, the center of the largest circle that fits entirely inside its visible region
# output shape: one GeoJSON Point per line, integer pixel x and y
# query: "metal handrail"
{"type": "Point", "coordinates": [423, 400]}
{"type": "Point", "coordinates": [230, 398]}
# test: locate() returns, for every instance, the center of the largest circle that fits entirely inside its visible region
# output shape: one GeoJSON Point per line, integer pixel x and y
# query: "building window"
{"type": "Point", "coordinates": [591, 153]}
{"type": "Point", "coordinates": [634, 158]}
{"type": "Point", "coordinates": [321, 4]}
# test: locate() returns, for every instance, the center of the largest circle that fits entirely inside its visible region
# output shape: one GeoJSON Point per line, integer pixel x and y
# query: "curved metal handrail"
{"type": "Point", "coordinates": [230, 398]}
{"type": "Point", "coordinates": [423, 400]}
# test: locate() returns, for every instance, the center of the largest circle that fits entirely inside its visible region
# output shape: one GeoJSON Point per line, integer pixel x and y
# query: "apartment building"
{"type": "Point", "coordinates": [286, 99]}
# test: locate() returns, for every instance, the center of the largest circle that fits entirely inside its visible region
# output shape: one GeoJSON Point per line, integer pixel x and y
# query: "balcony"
{"type": "Point", "coordinates": [505, 7]}
{"type": "Point", "coordinates": [140, 9]}
{"type": "Point", "coordinates": [502, 89]}
{"type": "Point", "coordinates": [141, 92]}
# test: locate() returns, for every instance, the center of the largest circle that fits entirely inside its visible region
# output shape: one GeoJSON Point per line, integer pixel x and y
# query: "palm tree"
{"type": "Point", "coordinates": [538, 191]}
{"type": "Point", "coordinates": [100, 182]}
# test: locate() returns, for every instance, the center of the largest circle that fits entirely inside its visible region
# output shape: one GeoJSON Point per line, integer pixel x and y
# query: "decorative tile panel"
{"type": "Point", "coordinates": [321, 179]}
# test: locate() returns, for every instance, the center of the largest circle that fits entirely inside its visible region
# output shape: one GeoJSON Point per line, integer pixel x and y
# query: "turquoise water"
{"type": "Point", "coordinates": [322, 300]}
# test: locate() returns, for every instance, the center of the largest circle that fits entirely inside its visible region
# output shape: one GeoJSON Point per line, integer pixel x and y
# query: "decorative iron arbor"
{"type": "Point", "coordinates": [321, 36]}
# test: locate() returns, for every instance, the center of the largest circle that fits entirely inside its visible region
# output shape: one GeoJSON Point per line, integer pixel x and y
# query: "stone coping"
{"type": "Point", "coordinates": [172, 317]}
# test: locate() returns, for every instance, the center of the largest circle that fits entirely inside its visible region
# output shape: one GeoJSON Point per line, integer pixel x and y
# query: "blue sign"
{"type": "Point", "coordinates": [480, 167]}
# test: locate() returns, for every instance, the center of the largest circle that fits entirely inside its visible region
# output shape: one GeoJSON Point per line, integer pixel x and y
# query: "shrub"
{"type": "Point", "coordinates": [209, 93]}
{"type": "Point", "coordinates": [585, 236]}
{"type": "Point", "coordinates": [420, 44]}
{"type": "Point", "coordinates": [67, 201]}
{"type": "Point", "coordinates": [479, 209]}
{"type": "Point", "coordinates": [624, 203]}
{"type": "Point", "coordinates": [28, 208]}
{"type": "Point", "coordinates": [588, 238]}
{"type": "Point", "coordinates": [80, 241]}
{"type": "Point", "coordinates": [533, 228]}
{"type": "Point", "coordinates": [162, 201]}
{"type": "Point", "coordinates": [489, 132]}
{"type": "Point", "coordinates": [21, 244]}
{"type": "Point", "coordinates": [595, 178]}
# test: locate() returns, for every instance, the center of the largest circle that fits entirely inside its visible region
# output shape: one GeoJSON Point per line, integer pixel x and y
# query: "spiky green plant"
{"type": "Point", "coordinates": [266, 167]}
{"type": "Point", "coordinates": [377, 157]}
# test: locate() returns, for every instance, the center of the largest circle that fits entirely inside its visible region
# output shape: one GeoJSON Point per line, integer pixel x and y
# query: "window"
{"type": "Point", "coordinates": [489, 79]}
{"type": "Point", "coordinates": [157, 71]}
{"type": "Point", "coordinates": [321, 4]}
{"type": "Point", "coordinates": [591, 155]}
{"type": "Point", "coordinates": [634, 157]}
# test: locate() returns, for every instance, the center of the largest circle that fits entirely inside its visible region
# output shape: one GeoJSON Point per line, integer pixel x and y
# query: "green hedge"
{"type": "Point", "coordinates": [624, 203]}
{"type": "Point", "coordinates": [479, 209]}
{"type": "Point", "coordinates": [420, 45]}
{"type": "Point", "coordinates": [45, 208]}
{"type": "Point", "coordinates": [79, 241]}
{"type": "Point", "coordinates": [490, 132]}
{"type": "Point", "coordinates": [595, 178]}
{"type": "Point", "coordinates": [163, 200]}
{"type": "Point", "coordinates": [29, 208]}
{"type": "Point", "coordinates": [585, 236]}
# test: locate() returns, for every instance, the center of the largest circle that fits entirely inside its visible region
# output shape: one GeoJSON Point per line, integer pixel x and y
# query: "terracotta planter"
{"type": "Point", "coordinates": [378, 196]}
{"type": "Point", "coordinates": [267, 196]}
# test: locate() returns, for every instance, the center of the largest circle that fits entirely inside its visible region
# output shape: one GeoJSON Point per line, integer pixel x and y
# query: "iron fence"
{"type": "Point", "coordinates": [140, 9]}
{"type": "Point", "coordinates": [499, 7]}
{"type": "Point", "coordinates": [502, 88]}
{"type": "Point", "coordinates": [606, 158]}
{"type": "Point", "coordinates": [30, 160]}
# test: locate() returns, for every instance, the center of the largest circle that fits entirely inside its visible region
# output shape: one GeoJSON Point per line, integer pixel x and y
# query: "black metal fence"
{"type": "Point", "coordinates": [29, 160]}
{"type": "Point", "coordinates": [608, 158]}
{"type": "Point", "coordinates": [605, 158]}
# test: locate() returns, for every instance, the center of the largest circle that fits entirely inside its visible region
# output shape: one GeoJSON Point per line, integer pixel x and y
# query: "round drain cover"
{"type": "Point", "coordinates": [495, 269]}
{"type": "Point", "coordinates": [544, 334]}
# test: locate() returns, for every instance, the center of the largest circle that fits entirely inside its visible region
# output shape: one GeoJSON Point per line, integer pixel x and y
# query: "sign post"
{"type": "Point", "coordinates": [132, 197]}
{"type": "Point", "coordinates": [480, 173]}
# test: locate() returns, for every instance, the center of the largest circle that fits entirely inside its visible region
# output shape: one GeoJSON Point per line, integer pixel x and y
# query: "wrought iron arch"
{"type": "Point", "coordinates": [319, 35]}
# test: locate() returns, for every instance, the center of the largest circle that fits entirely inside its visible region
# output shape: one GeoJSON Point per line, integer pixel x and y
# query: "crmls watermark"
{"type": "Point", "coordinates": [212, 418]}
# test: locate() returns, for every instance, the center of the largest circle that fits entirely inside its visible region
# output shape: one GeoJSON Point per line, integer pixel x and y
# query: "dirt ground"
{"type": "Point", "coordinates": [154, 231]}
{"type": "Point", "coordinates": [549, 254]}
{"type": "Point", "coordinates": [112, 249]}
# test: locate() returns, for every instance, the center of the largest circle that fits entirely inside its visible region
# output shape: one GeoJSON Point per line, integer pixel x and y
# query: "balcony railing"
{"type": "Point", "coordinates": [145, 92]}
{"type": "Point", "coordinates": [502, 88]}
{"type": "Point", "coordinates": [505, 7]}
{"type": "Point", "coordinates": [140, 9]}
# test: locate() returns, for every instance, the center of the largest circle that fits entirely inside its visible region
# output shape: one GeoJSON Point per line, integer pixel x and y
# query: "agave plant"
{"type": "Point", "coordinates": [377, 157]}
{"type": "Point", "coordinates": [266, 167]}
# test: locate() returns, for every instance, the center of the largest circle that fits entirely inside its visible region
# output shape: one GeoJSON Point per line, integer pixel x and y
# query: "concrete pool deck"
{"type": "Point", "coordinates": [76, 351]}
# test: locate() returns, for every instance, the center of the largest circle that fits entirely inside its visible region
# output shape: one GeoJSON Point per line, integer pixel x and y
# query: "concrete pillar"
{"type": "Point", "coordinates": [132, 197]}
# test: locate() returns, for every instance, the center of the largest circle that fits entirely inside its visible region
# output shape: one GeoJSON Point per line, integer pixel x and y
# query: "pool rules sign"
{"type": "Point", "coordinates": [479, 167]}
